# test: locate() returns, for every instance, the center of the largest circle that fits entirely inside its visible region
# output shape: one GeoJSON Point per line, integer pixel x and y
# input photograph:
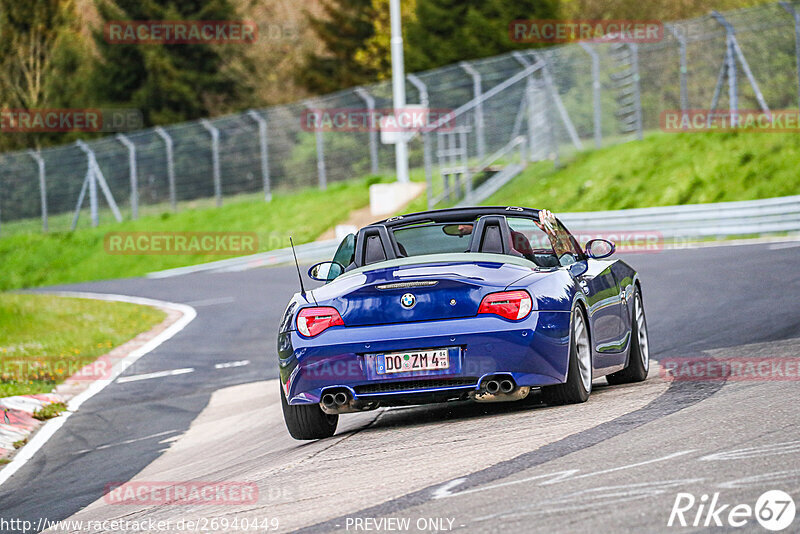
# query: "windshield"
{"type": "Point", "coordinates": [528, 240]}
{"type": "Point", "coordinates": [433, 239]}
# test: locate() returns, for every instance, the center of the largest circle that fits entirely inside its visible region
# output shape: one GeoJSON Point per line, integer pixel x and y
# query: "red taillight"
{"type": "Point", "coordinates": [513, 305]}
{"type": "Point", "coordinates": [314, 321]}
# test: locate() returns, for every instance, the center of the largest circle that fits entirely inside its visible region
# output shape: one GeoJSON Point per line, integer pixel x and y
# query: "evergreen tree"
{"type": "Point", "coordinates": [173, 82]}
{"type": "Point", "coordinates": [344, 29]}
{"type": "Point", "coordinates": [448, 31]}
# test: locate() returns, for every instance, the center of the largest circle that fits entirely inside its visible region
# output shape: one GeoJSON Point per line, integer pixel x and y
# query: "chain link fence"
{"type": "Point", "coordinates": [556, 101]}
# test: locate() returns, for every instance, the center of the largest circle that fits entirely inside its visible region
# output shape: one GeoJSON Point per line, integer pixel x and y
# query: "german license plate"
{"type": "Point", "coordinates": [404, 362]}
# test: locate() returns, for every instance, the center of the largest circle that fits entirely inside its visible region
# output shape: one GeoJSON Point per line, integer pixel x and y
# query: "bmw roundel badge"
{"type": "Point", "coordinates": [408, 300]}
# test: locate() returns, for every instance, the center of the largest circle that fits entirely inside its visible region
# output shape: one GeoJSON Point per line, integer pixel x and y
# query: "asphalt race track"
{"type": "Point", "coordinates": [613, 464]}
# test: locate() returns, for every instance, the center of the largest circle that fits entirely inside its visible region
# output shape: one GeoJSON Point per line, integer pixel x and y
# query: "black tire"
{"type": "Point", "coordinates": [639, 358]}
{"type": "Point", "coordinates": [308, 421]}
{"type": "Point", "coordinates": [574, 390]}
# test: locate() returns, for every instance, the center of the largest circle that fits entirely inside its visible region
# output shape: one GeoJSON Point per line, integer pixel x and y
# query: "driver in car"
{"type": "Point", "coordinates": [547, 223]}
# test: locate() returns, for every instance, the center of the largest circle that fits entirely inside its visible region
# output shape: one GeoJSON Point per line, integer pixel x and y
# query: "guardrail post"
{"type": "Point", "coordinates": [373, 133]}
{"type": "Point", "coordinates": [214, 131]}
{"type": "Point", "coordinates": [37, 157]}
{"type": "Point", "coordinates": [134, 176]}
{"type": "Point", "coordinates": [596, 87]}
{"type": "Point", "coordinates": [170, 166]}
{"type": "Point", "coordinates": [796, 16]}
{"type": "Point", "coordinates": [684, 69]}
{"type": "Point", "coordinates": [426, 139]}
{"type": "Point", "coordinates": [322, 175]}
{"type": "Point", "coordinates": [264, 150]}
{"type": "Point", "coordinates": [477, 94]}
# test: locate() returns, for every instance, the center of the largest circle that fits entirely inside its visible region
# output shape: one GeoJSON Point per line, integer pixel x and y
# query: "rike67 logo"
{"type": "Point", "coordinates": [774, 510]}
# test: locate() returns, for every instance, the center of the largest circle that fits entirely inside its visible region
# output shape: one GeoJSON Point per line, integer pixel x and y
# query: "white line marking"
{"type": "Point", "coordinates": [786, 447]}
{"type": "Point", "coordinates": [228, 365]}
{"type": "Point", "coordinates": [159, 374]}
{"type": "Point", "coordinates": [52, 426]}
{"type": "Point", "coordinates": [559, 476]}
{"type": "Point", "coordinates": [444, 489]}
{"type": "Point", "coordinates": [211, 302]}
{"type": "Point", "coordinates": [779, 246]}
{"type": "Point", "coordinates": [629, 466]}
{"type": "Point", "coordinates": [129, 441]}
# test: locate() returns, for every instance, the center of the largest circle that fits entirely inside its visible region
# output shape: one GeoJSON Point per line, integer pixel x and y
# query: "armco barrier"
{"type": "Point", "coordinates": [693, 221]}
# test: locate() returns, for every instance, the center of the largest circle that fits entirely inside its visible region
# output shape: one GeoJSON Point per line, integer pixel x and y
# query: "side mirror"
{"type": "Point", "coordinates": [600, 248]}
{"type": "Point", "coordinates": [325, 271]}
{"type": "Point", "coordinates": [579, 268]}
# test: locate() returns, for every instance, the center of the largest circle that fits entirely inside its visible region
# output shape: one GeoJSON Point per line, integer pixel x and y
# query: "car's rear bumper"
{"type": "Point", "coordinates": [534, 352]}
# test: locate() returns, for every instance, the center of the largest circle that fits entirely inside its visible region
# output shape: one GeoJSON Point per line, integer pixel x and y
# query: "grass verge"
{"type": "Point", "coordinates": [31, 260]}
{"type": "Point", "coordinates": [50, 411]}
{"type": "Point", "coordinates": [45, 339]}
{"type": "Point", "coordinates": [663, 170]}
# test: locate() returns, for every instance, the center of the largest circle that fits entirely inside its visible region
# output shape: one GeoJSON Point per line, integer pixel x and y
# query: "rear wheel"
{"type": "Point", "coordinates": [308, 421]}
{"type": "Point", "coordinates": [579, 370]}
{"type": "Point", "coordinates": [639, 358]}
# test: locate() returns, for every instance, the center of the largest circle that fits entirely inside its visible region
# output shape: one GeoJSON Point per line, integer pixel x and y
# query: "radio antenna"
{"type": "Point", "coordinates": [297, 264]}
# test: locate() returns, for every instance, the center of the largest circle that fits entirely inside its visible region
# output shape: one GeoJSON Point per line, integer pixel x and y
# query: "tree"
{"type": "Point", "coordinates": [344, 28]}
{"type": "Point", "coordinates": [376, 54]}
{"type": "Point", "coordinates": [173, 82]}
{"type": "Point", "coordinates": [448, 31]}
{"type": "Point", "coordinates": [42, 61]}
{"type": "Point", "coordinates": [649, 9]}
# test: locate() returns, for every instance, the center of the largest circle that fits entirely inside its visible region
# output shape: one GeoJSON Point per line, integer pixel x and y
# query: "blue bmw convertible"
{"type": "Point", "coordinates": [484, 304]}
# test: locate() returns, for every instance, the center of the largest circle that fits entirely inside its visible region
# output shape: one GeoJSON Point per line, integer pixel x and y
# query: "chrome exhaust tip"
{"type": "Point", "coordinates": [328, 400]}
{"type": "Point", "coordinates": [506, 386]}
{"type": "Point", "coordinates": [340, 398]}
{"type": "Point", "coordinates": [492, 387]}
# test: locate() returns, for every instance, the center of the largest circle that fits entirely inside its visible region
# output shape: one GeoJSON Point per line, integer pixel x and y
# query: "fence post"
{"type": "Point", "coordinates": [264, 149]}
{"type": "Point", "coordinates": [170, 166]}
{"type": "Point", "coordinates": [91, 179]}
{"type": "Point", "coordinates": [465, 162]}
{"type": "Point", "coordinates": [562, 110]}
{"type": "Point", "coordinates": [522, 60]}
{"type": "Point", "coordinates": [373, 133]}
{"type": "Point", "coordinates": [796, 16]}
{"type": "Point", "coordinates": [598, 115]}
{"type": "Point", "coordinates": [37, 157]}
{"type": "Point", "coordinates": [214, 131]}
{"type": "Point", "coordinates": [95, 176]}
{"type": "Point", "coordinates": [732, 53]}
{"type": "Point", "coordinates": [134, 177]}
{"type": "Point", "coordinates": [322, 175]}
{"type": "Point", "coordinates": [684, 70]}
{"type": "Point", "coordinates": [426, 139]}
{"type": "Point", "coordinates": [477, 93]}
{"type": "Point", "coordinates": [637, 91]}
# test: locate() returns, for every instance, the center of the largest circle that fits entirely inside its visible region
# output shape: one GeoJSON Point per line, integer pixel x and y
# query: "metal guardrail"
{"type": "Point", "coordinates": [722, 219]}
{"type": "Point", "coordinates": [693, 221]}
{"type": "Point", "coordinates": [317, 250]}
